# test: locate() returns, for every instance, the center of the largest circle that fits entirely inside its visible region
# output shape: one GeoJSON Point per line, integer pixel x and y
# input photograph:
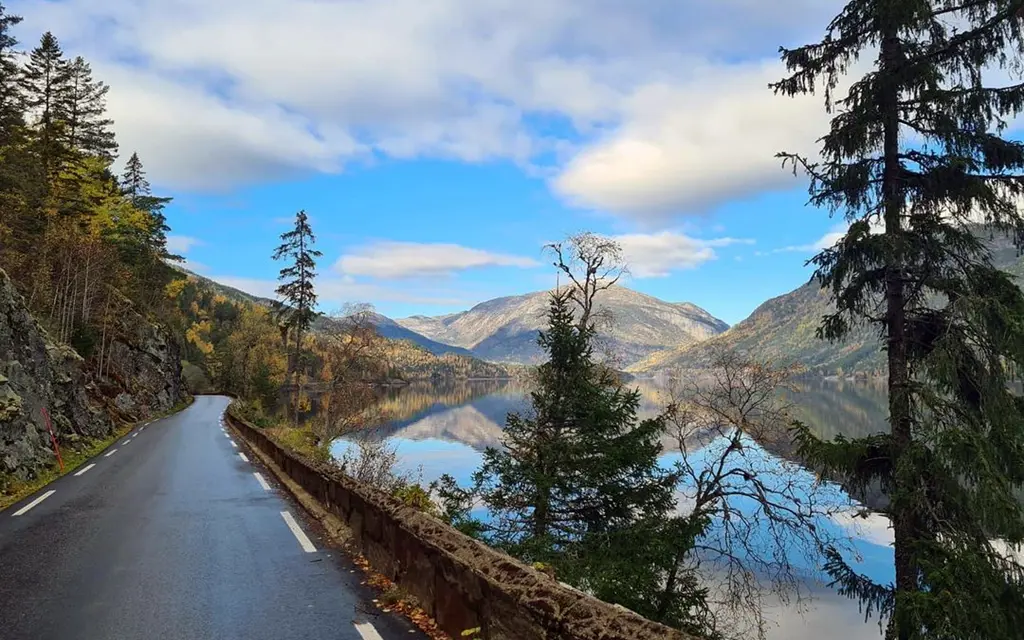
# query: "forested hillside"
{"type": "Point", "coordinates": [78, 241]}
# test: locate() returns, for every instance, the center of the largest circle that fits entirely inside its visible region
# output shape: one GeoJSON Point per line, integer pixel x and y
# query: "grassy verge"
{"type": "Point", "coordinates": [73, 458]}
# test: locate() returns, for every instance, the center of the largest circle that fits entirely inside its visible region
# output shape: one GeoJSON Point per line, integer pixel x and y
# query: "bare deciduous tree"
{"type": "Point", "coordinates": [593, 263]}
{"type": "Point", "coordinates": [351, 349]}
{"type": "Point", "coordinates": [765, 513]}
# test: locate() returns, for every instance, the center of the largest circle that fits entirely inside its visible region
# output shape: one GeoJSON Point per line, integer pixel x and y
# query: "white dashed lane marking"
{"type": "Point", "coordinates": [85, 469]}
{"type": "Point", "coordinates": [242, 456]}
{"type": "Point", "coordinates": [366, 630]}
{"type": "Point", "coordinates": [29, 506]}
{"type": "Point", "coordinates": [304, 542]}
{"type": "Point", "coordinates": [262, 481]}
{"type": "Point", "coordinates": [110, 453]}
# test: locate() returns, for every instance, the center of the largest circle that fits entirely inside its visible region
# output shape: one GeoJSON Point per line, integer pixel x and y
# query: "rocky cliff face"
{"type": "Point", "coordinates": [35, 373]}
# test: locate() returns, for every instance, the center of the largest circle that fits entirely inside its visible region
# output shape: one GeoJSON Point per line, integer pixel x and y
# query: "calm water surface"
{"type": "Point", "coordinates": [445, 428]}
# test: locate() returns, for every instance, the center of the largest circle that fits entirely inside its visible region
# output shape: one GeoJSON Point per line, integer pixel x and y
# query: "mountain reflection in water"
{"type": "Point", "coordinates": [444, 428]}
{"type": "Point", "coordinates": [459, 419]}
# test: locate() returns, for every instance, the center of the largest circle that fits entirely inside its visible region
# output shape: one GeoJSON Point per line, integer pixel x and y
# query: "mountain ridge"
{"type": "Point", "coordinates": [784, 329]}
{"type": "Point", "coordinates": [505, 329]}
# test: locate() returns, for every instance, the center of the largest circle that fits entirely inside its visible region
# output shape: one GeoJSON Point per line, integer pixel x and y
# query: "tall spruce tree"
{"type": "Point", "coordinates": [577, 479]}
{"type": "Point", "coordinates": [135, 186]}
{"type": "Point", "coordinates": [87, 128]}
{"type": "Point", "coordinates": [914, 157]}
{"type": "Point", "coordinates": [297, 293]}
{"type": "Point", "coordinates": [12, 109]}
{"type": "Point", "coordinates": [45, 81]}
{"type": "Point", "coordinates": [134, 183]}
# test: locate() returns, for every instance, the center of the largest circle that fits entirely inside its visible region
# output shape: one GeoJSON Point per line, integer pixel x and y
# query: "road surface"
{"type": "Point", "coordinates": [175, 533]}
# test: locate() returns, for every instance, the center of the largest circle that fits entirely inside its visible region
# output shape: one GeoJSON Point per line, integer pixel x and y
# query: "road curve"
{"type": "Point", "coordinates": [175, 534]}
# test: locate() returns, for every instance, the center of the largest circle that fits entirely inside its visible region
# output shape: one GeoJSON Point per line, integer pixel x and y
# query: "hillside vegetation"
{"type": "Point", "coordinates": [784, 329]}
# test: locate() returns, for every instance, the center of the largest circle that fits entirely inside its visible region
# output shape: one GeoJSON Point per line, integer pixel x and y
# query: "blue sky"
{"type": "Point", "coordinates": [437, 146]}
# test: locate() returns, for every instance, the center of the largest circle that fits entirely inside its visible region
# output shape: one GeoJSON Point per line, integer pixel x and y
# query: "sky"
{"type": "Point", "coordinates": [437, 145]}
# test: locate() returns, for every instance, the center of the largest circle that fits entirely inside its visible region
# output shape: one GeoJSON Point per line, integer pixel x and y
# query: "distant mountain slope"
{"type": "Point", "coordinates": [231, 293]}
{"type": "Point", "coordinates": [394, 331]}
{"type": "Point", "coordinates": [505, 329]}
{"type": "Point", "coordinates": [784, 329]}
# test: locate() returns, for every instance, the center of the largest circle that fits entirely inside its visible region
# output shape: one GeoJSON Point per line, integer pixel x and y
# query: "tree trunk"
{"type": "Point", "coordinates": [895, 324]}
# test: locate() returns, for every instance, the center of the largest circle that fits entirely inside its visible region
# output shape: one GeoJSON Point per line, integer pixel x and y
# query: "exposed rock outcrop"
{"type": "Point", "coordinates": [36, 373]}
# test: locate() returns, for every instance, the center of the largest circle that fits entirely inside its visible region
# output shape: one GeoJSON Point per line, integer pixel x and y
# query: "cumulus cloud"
{"type": "Point", "coordinates": [658, 107]}
{"type": "Point", "coordinates": [685, 147]}
{"type": "Point", "coordinates": [658, 254]}
{"type": "Point", "coordinates": [410, 259]}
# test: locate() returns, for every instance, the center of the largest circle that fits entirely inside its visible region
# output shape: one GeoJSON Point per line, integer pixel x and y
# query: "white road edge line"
{"type": "Point", "coordinates": [367, 630]}
{"type": "Point", "coordinates": [262, 481]}
{"type": "Point", "coordinates": [242, 456]}
{"type": "Point", "coordinates": [27, 507]}
{"type": "Point", "coordinates": [304, 542]}
{"type": "Point", "coordinates": [85, 469]}
{"type": "Point", "coordinates": [110, 453]}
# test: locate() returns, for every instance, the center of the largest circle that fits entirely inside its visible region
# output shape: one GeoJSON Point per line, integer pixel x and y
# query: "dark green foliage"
{"type": "Point", "coordinates": [11, 108]}
{"type": "Point", "coordinates": [84, 107]}
{"type": "Point", "coordinates": [914, 158]}
{"type": "Point", "coordinates": [46, 83]}
{"type": "Point", "coordinates": [135, 187]}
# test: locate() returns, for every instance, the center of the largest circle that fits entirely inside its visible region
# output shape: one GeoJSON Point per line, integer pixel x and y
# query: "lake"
{"type": "Point", "coordinates": [440, 429]}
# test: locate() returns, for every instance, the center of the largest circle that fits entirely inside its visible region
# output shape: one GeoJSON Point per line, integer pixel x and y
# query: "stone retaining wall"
{"type": "Point", "coordinates": [459, 581]}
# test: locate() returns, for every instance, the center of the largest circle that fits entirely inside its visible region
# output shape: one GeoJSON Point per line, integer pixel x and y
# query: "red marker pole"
{"type": "Point", "coordinates": [53, 438]}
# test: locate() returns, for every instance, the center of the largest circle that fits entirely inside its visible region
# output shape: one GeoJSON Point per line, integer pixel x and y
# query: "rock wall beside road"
{"type": "Point", "coordinates": [37, 373]}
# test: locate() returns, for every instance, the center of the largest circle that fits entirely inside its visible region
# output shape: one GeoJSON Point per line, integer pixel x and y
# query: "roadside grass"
{"type": "Point", "coordinates": [16, 489]}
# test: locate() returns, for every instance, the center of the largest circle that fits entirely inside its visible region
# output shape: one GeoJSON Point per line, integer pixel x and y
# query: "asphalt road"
{"type": "Point", "coordinates": [176, 534]}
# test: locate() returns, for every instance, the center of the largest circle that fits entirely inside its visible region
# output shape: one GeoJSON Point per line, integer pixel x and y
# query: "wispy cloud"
{"type": "Point", "coordinates": [413, 259]}
{"type": "Point", "coordinates": [182, 244]}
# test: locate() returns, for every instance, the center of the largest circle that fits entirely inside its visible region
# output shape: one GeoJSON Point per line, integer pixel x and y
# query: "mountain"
{"type": "Point", "coordinates": [231, 293]}
{"type": "Point", "coordinates": [784, 329]}
{"type": "Point", "coordinates": [505, 329]}
{"type": "Point", "coordinates": [390, 329]}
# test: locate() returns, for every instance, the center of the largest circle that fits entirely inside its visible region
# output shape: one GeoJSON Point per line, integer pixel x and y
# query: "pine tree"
{"type": "Point", "coordinates": [577, 477]}
{"type": "Point", "coordinates": [12, 117]}
{"type": "Point", "coordinates": [135, 187]}
{"type": "Point", "coordinates": [297, 292]}
{"type": "Point", "coordinates": [917, 149]}
{"type": "Point", "coordinates": [45, 81]}
{"type": "Point", "coordinates": [133, 181]}
{"type": "Point", "coordinates": [87, 129]}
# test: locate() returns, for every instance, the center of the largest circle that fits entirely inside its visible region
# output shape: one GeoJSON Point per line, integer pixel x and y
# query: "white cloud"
{"type": "Point", "coordinates": [658, 254]}
{"type": "Point", "coordinates": [182, 244]}
{"type": "Point", "coordinates": [687, 146]}
{"type": "Point", "coordinates": [410, 259]}
{"type": "Point", "coordinates": [824, 242]}
{"type": "Point", "coordinates": [662, 118]}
